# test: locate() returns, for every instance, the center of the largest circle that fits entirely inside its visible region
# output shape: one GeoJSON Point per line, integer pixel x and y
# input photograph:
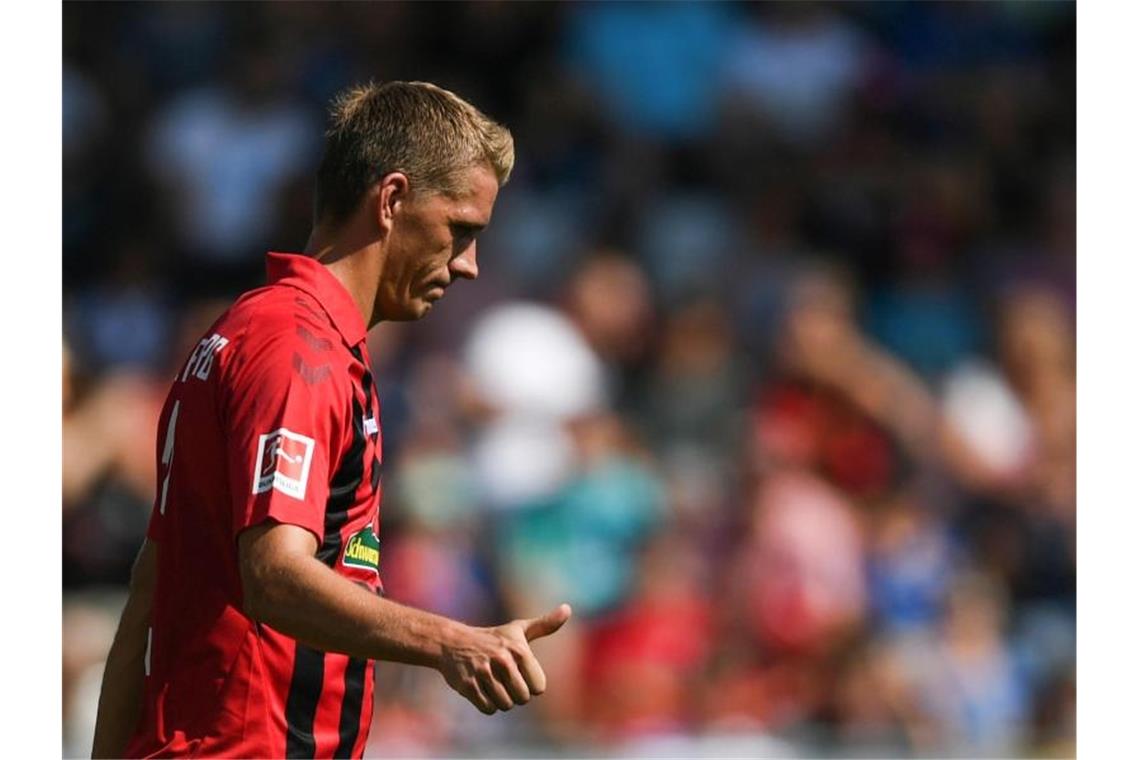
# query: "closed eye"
{"type": "Point", "coordinates": [462, 234]}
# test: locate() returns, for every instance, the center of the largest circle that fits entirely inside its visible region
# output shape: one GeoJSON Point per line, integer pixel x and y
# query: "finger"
{"type": "Point", "coordinates": [508, 674]}
{"type": "Point", "coordinates": [476, 697]}
{"type": "Point", "coordinates": [548, 623]}
{"type": "Point", "coordinates": [495, 691]}
{"type": "Point", "coordinates": [532, 673]}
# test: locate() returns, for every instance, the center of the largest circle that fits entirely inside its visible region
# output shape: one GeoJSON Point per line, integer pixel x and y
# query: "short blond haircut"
{"type": "Point", "coordinates": [428, 133]}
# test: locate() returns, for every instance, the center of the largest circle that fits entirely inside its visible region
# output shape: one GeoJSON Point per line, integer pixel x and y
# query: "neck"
{"type": "Point", "coordinates": [355, 261]}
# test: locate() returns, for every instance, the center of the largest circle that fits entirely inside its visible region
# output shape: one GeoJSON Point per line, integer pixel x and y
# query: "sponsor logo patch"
{"type": "Point", "coordinates": [363, 550]}
{"type": "Point", "coordinates": [283, 460]}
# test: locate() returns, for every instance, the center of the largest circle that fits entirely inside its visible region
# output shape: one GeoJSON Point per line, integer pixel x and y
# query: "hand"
{"type": "Point", "coordinates": [493, 668]}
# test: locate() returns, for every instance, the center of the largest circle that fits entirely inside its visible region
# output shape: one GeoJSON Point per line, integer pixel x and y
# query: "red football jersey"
{"type": "Point", "coordinates": [274, 416]}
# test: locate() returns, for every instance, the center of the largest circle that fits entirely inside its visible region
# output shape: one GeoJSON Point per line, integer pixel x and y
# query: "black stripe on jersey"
{"type": "Point", "coordinates": [301, 705]}
{"type": "Point", "coordinates": [342, 489]}
{"type": "Point", "coordinates": [366, 383]}
{"type": "Point", "coordinates": [367, 387]}
{"type": "Point", "coordinates": [350, 706]}
{"type": "Point", "coordinates": [309, 664]}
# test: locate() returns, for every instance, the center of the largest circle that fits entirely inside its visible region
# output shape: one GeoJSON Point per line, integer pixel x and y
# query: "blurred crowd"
{"type": "Point", "coordinates": [769, 370]}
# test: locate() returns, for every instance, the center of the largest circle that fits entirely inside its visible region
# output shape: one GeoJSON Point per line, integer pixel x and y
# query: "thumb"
{"type": "Point", "coordinates": [547, 624]}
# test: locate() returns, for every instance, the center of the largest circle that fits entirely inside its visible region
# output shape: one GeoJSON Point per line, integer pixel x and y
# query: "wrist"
{"type": "Point", "coordinates": [434, 639]}
{"type": "Point", "coordinates": [452, 635]}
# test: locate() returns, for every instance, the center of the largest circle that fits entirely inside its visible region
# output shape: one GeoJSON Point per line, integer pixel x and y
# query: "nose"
{"type": "Point", "coordinates": [464, 265]}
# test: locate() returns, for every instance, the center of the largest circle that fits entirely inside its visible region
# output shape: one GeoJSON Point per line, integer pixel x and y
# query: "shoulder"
{"type": "Point", "coordinates": [279, 317]}
{"type": "Point", "coordinates": [279, 332]}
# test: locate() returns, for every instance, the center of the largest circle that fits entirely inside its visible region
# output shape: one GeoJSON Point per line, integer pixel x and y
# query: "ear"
{"type": "Point", "coordinates": [390, 193]}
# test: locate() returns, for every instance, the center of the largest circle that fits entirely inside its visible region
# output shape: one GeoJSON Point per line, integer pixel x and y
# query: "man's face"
{"type": "Point", "coordinates": [432, 243]}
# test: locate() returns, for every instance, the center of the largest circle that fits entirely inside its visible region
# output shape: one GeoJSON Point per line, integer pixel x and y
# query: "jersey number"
{"type": "Point", "coordinates": [168, 456]}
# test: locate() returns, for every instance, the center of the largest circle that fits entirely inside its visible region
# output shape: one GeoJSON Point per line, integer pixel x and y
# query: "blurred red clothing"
{"type": "Point", "coordinates": [801, 575]}
{"type": "Point", "coordinates": [639, 663]}
{"type": "Point", "coordinates": [797, 424]}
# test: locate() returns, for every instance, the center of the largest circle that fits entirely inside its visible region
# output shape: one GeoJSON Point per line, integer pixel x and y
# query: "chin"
{"type": "Point", "coordinates": [410, 311]}
{"type": "Point", "coordinates": [417, 310]}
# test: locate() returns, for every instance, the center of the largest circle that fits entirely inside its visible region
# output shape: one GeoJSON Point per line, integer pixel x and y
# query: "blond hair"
{"type": "Point", "coordinates": [428, 133]}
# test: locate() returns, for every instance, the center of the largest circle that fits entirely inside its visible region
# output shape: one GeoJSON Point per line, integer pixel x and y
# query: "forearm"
{"type": "Point", "coordinates": [120, 701]}
{"type": "Point", "coordinates": [121, 696]}
{"type": "Point", "coordinates": [891, 395]}
{"type": "Point", "coordinates": [309, 602]}
{"type": "Point", "coordinates": [287, 588]}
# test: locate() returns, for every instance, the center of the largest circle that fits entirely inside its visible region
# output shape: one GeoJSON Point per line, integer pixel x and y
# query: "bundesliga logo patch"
{"type": "Point", "coordinates": [283, 460]}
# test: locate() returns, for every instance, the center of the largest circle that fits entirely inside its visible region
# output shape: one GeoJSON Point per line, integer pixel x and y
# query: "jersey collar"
{"type": "Point", "coordinates": [307, 274]}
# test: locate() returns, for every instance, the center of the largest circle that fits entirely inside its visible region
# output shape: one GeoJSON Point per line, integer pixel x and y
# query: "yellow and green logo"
{"type": "Point", "coordinates": [363, 550]}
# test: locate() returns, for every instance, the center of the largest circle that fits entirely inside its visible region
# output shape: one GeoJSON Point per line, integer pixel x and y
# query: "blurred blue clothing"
{"type": "Point", "coordinates": [982, 703]}
{"type": "Point", "coordinates": [175, 45]}
{"type": "Point", "coordinates": [933, 36]}
{"type": "Point", "coordinates": [127, 327]}
{"type": "Point", "coordinates": [228, 161]}
{"type": "Point", "coordinates": [85, 112]}
{"type": "Point", "coordinates": [908, 582]}
{"type": "Point", "coordinates": [931, 328]}
{"type": "Point", "coordinates": [537, 236]}
{"type": "Point", "coordinates": [1045, 642]}
{"type": "Point", "coordinates": [686, 240]}
{"type": "Point", "coordinates": [653, 63]}
{"type": "Point", "coordinates": [799, 77]}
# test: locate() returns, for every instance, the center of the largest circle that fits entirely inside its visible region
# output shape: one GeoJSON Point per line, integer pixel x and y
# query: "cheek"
{"type": "Point", "coordinates": [437, 261]}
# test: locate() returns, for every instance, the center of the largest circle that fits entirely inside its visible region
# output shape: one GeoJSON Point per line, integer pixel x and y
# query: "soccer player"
{"type": "Point", "coordinates": [255, 605]}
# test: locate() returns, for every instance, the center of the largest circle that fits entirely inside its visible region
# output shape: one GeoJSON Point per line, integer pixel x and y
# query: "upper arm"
{"type": "Point", "coordinates": [144, 576]}
{"type": "Point", "coordinates": [284, 425]}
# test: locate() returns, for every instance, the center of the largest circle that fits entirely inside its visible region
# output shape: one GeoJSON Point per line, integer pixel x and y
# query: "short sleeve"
{"type": "Point", "coordinates": [283, 425]}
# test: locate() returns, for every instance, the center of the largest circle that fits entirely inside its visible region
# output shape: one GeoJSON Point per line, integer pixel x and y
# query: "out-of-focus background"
{"type": "Point", "coordinates": [769, 370]}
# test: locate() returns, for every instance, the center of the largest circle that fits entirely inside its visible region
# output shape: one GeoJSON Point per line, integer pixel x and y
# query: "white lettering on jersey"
{"type": "Point", "coordinates": [283, 461]}
{"type": "Point", "coordinates": [203, 357]}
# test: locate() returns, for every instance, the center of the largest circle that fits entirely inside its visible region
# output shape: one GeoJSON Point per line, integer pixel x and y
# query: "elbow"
{"type": "Point", "coordinates": [251, 603]}
{"type": "Point", "coordinates": [271, 560]}
{"type": "Point", "coordinates": [269, 589]}
{"type": "Point", "coordinates": [255, 591]}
